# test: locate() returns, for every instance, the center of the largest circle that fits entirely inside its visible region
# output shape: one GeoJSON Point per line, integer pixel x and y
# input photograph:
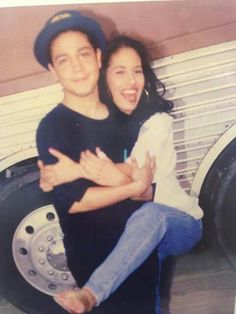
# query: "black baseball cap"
{"type": "Point", "coordinates": [60, 22]}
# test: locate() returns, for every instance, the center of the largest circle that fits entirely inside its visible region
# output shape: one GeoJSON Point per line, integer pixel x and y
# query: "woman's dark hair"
{"type": "Point", "coordinates": [151, 100]}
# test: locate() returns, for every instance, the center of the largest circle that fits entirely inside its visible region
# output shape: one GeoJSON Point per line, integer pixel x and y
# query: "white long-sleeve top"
{"type": "Point", "coordinates": [156, 137]}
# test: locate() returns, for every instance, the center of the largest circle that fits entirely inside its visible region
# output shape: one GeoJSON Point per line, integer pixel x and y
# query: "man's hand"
{"type": "Point", "coordinates": [65, 170]}
{"type": "Point", "coordinates": [143, 176]}
{"type": "Point", "coordinates": [44, 185]}
{"type": "Point", "coordinates": [100, 169]}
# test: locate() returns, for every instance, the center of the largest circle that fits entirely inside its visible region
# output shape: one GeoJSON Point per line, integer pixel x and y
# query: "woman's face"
{"type": "Point", "coordinates": [125, 79]}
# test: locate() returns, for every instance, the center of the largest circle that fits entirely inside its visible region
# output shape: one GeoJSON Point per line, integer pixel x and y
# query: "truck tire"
{"type": "Point", "coordinates": [225, 219]}
{"type": "Point", "coordinates": [32, 262]}
{"type": "Point", "coordinates": [218, 199]}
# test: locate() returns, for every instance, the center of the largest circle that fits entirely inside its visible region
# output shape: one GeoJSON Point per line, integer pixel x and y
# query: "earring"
{"type": "Point", "coordinates": [109, 93]}
{"type": "Point", "coordinates": [146, 93]}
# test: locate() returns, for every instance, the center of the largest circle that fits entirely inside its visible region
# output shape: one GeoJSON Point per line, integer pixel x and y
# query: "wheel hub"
{"type": "Point", "coordinates": [39, 253]}
{"type": "Point", "coordinates": [56, 255]}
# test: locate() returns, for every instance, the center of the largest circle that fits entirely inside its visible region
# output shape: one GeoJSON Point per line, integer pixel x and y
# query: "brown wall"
{"type": "Point", "coordinates": [169, 27]}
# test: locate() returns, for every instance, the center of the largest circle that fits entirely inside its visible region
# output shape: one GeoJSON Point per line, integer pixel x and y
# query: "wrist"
{"type": "Point", "coordinates": [136, 188]}
{"type": "Point", "coordinates": [78, 171]}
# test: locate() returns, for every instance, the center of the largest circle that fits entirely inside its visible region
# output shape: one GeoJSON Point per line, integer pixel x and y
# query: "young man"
{"type": "Point", "coordinates": [70, 46]}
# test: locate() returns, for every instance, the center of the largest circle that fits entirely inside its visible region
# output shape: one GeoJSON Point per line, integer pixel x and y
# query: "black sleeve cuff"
{"type": "Point", "coordinates": [153, 190]}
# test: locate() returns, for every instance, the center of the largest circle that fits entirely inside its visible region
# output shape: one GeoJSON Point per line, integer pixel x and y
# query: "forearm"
{"type": "Point", "coordinates": [59, 173]}
{"type": "Point", "coordinates": [125, 168]}
{"type": "Point", "coordinates": [99, 197]}
{"type": "Point", "coordinates": [125, 176]}
{"type": "Point", "coordinates": [119, 178]}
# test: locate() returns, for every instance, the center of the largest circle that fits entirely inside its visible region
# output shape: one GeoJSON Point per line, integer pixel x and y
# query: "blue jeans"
{"type": "Point", "coordinates": [152, 226]}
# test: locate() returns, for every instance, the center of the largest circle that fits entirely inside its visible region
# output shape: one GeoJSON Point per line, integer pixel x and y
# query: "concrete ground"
{"type": "Point", "coordinates": [6, 308]}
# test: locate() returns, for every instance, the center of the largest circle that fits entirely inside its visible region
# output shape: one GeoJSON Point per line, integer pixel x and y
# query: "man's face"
{"type": "Point", "coordinates": [75, 64]}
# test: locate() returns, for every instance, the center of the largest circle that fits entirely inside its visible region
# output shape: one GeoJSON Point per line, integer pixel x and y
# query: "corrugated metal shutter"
{"type": "Point", "coordinates": [20, 115]}
{"type": "Point", "coordinates": [202, 84]}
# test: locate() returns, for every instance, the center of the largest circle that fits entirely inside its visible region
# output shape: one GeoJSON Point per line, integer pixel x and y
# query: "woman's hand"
{"type": "Point", "coordinates": [143, 176]}
{"type": "Point", "coordinates": [100, 169]}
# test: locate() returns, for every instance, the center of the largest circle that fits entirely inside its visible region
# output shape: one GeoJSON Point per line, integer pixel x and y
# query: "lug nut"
{"type": "Point", "coordinates": [64, 276]}
{"type": "Point", "coordinates": [42, 261]}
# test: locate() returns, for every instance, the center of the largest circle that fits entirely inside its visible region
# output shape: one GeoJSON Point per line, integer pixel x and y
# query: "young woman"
{"type": "Point", "coordinates": [172, 223]}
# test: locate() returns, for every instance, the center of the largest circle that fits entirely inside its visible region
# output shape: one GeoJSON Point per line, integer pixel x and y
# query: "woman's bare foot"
{"type": "Point", "coordinates": [76, 301]}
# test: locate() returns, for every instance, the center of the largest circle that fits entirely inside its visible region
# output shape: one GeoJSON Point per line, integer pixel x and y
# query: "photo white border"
{"type": "Point", "coordinates": [17, 3]}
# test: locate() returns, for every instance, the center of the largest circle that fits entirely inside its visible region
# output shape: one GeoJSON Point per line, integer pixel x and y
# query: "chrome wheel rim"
{"type": "Point", "coordinates": [39, 253]}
